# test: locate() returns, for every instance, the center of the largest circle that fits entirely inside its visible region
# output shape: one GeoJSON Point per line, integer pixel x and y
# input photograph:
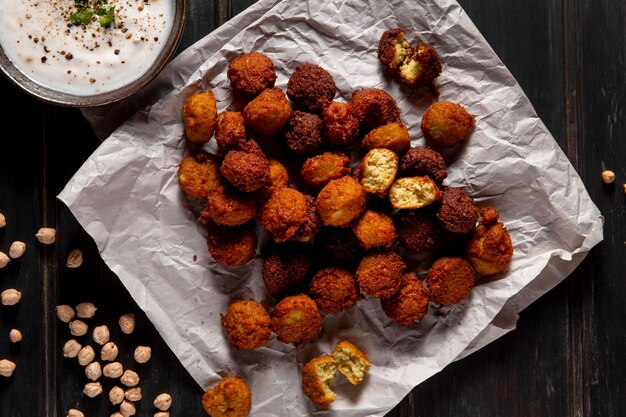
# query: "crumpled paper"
{"type": "Point", "coordinates": [127, 198]}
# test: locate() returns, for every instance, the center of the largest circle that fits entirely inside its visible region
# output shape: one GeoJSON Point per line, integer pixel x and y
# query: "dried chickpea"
{"type": "Point", "coordinates": [163, 401]}
{"type": "Point", "coordinates": [608, 176]}
{"type": "Point", "coordinates": [162, 414]}
{"type": "Point", "coordinates": [17, 249]}
{"type": "Point", "coordinates": [93, 371]}
{"type": "Point", "coordinates": [78, 328]}
{"type": "Point", "coordinates": [113, 370]}
{"type": "Point", "coordinates": [65, 313]}
{"type": "Point", "coordinates": [74, 259]}
{"type": "Point", "coordinates": [71, 348]}
{"type": "Point", "coordinates": [3, 221]}
{"type": "Point", "coordinates": [10, 297]}
{"type": "Point", "coordinates": [101, 335]}
{"type": "Point", "coordinates": [15, 336]}
{"type": "Point", "coordinates": [109, 352]}
{"type": "Point", "coordinates": [86, 310]}
{"type": "Point", "coordinates": [127, 323]}
{"type": "Point", "coordinates": [116, 395]}
{"type": "Point", "coordinates": [72, 412]}
{"type": "Point", "coordinates": [86, 355]}
{"type": "Point", "coordinates": [133, 394]}
{"type": "Point", "coordinates": [130, 378]}
{"type": "Point", "coordinates": [127, 408]}
{"type": "Point", "coordinates": [92, 389]}
{"type": "Point", "coordinates": [46, 235]}
{"type": "Point", "coordinates": [4, 260]}
{"type": "Point", "coordinates": [6, 368]}
{"type": "Point", "coordinates": [143, 354]}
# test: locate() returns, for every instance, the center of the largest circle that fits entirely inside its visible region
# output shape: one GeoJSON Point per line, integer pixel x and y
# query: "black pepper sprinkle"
{"type": "Point", "coordinates": [69, 56]}
{"type": "Point", "coordinates": [36, 40]}
{"type": "Point", "coordinates": [43, 59]}
{"type": "Point", "coordinates": [116, 52]}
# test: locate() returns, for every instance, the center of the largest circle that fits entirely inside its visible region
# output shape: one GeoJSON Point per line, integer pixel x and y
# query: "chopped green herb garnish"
{"type": "Point", "coordinates": [82, 17]}
{"type": "Point", "coordinates": [107, 15]}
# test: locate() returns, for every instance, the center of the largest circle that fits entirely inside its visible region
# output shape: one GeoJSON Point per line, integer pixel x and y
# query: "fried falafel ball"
{"type": "Point", "coordinates": [312, 223]}
{"type": "Point", "coordinates": [375, 230]}
{"type": "Point", "coordinates": [380, 273]}
{"type": "Point", "coordinates": [230, 131]}
{"type": "Point", "coordinates": [457, 212]}
{"type": "Point", "coordinates": [450, 280]}
{"type": "Point", "coordinates": [251, 73]}
{"type": "Point", "coordinates": [229, 207]}
{"type": "Point", "coordinates": [420, 161]}
{"type": "Point", "coordinates": [303, 135]}
{"type": "Point", "coordinates": [229, 398]}
{"type": "Point", "coordinates": [279, 178]}
{"type": "Point", "coordinates": [377, 170]}
{"type": "Point", "coordinates": [200, 116]}
{"type": "Point", "coordinates": [318, 380]}
{"type": "Point", "coordinates": [373, 107]}
{"type": "Point", "coordinates": [413, 193]}
{"type": "Point", "coordinates": [311, 87]}
{"type": "Point", "coordinates": [418, 231]}
{"type": "Point", "coordinates": [340, 202]}
{"type": "Point", "coordinates": [285, 271]}
{"type": "Point", "coordinates": [321, 169]}
{"type": "Point", "coordinates": [409, 304]}
{"type": "Point", "coordinates": [334, 289]}
{"type": "Point", "coordinates": [231, 246]}
{"type": "Point", "coordinates": [393, 136]}
{"type": "Point", "coordinates": [490, 249]}
{"type": "Point", "coordinates": [199, 174]}
{"type": "Point", "coordinates": [445, 124]}
{"type": "Point", "coordinates": [338, 245]}
{"type": "Point", "coordinates": [268, 113]}
{"type": "Point", "coordinates": [248, 171]}
{"type": "Point", "coordinates": [296, 319]}
{"type": "Point", "coordinates": [247, 324]}
{"type": "Point", "coordinates": [351, 361]}
{"type": "Point", "coordinates": [283, 213]}
{"type": "Point", "coordinates": [341, 128]}
{"type": "Point", "coordinates": [393, 49]}
{"type": "Point", "coordinates": [421, 68]}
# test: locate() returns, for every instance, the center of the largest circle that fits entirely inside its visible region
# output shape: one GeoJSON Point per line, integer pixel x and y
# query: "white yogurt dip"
{"type": "Point", "coordinates": [40, 40]}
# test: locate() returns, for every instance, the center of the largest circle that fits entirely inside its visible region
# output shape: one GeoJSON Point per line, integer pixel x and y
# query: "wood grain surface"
{"type": "Point", "coordinates": [566, 357]}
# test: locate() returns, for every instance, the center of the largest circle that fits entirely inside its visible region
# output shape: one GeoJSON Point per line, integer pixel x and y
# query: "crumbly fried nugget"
{"type": "Point", "coordinates": [318, 379]}
{"type": "Point", "coordinates": [321, 169]}
{"type": "Point", "coordinates": [393, 49]}
{"type": "Point", "coordinates": [283, 272]}
{"type": "Point", "coordinates": [311, 87]}
{"type": "Point", "coordinates": [279, 177]}
{"type": "Point", "coordinates": [490, 250]}
{"type": "Point", "coordinates": [351, 361]}
{"type": "Point", "coordinates": [457, 212]}
{"type": "Point", "coordinates": [338, 245]}
{"type": "Point", "coordinates": [444, 124]}
{"type": "Point", "coordinates": [296, 319]}
{"type": "Point", "coordinates": [231, 246]}
{"type": "Point", "coordinates": [303, 135]}
{"type": "Point", "coordinates": [424, 161]}
{"type": "Point", "coordinates": [450, 280]}
{"type": "Point", "coordinates": [200, 116]}
{"type": "Point", "coordinates": [373, 107]}
{"type": "Point", "coordinates": [334, 289]}
{"type": "Point", "coordinates": [341, 128]}
{"type": "Point", "coordinates": [375, 230]}
{"type": "Point", "coordinates": [418, 231]}
{"type": "Point", "coordinates": [393, 136]}
{"type": "Point", "coordinates": [199, 174]}
{"type": "Point", "coordinates": [251, 73]}
{"type": "Point", "coordinates": [340, 202]}
{"type": "Point", "coordinates": [229, 207]}
{"type": "Point", "coordinates": [413, 192]}
{"type": "Point", "coordinates": [312, 223]}
{"type": "Point", "coordinates": [268, 113]}
{"type": "Point", "coordinates": [421, 68]}
{"type": "Point", "coordinates": [247, 324]}
{"type": "Point", "coordinates": [229, 398]}
{"type": "Point", "coordinates": [380, 273]}
{"type": "Point", "coordinates": [230, 131]}
{"type": "Point", "coordinates": [378, 170]}
{"type": "Point", "coordinates": [248, 171]}
{"type": "Point", "coordinates": [283, 213]}
{"type": "Point", "coordinates": [409, 304]}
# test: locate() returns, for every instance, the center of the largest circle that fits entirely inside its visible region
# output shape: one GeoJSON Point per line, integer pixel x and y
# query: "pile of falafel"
{"type": "Point", "coordinates": [340, 231]}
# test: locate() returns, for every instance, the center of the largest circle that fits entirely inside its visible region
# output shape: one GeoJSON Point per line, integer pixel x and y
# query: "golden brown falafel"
{"type": "Point", "coordinates": [199, 174]}
{"type": "Point", "coordinates": [303, 134]}
{"type": "Point", "coordinates": [334, 289]}
{"type": "Point", "coordinates": [296, 319]}
{"type": "Point", "coordinates": [375, 230]}
{"type": "Point", "coordinates": [230, 131]}
{"type": "Point", "coordinates": [311, 87]}
{"type": "Point", "coordinates": [247, 324]}
{"type": "Point", "coordinates": [283, 213]}
{"type": "Point", "coordinates": [341, 128]}
{"type": "Point", "coordinates": [380, 273]}
{"type": "Point", "coordinates": [268, 113]}
{"type": "Point", "coordinates": [457, 212]}
{"type": "Point", "coordinates": [409, 304]}
{"type": "Point", "coordinates": [231, 246]}
{"type": "Point", "coordinates": [351, 361]}
{"type": "Point", "coordinates": [340, 202]}
{"type": "Point", "coordinates": [444, 124]}
{"type": "Point", "coordinates": [200, 116]}
{"type": "Point", "coordinates": [373, 107]}
{"type": "Point", "coordinates": [248, 171]}
{"type": "Point", "coordinates": [251, 73]}
{"type": "Point", "coordinates": [413, 193]}
{"type": "Point", "coordinates": [229, 398]}
{"type": "Point", "coordinates": [229, 207]}
{"type": "Point", "coordinates": [393, 136]}
{"type": "Point", "coordinates": [318, 378]}
{"type": "Point", "coordinates": [490, 249]}
{"type": "Point", "coordinates": [321, 169]}
{"type": "Point", "coordinates": [450, 280]}
{"type": "Point", "coordinates": [378, 170]}
{"type": "Point", "coordinates": [285, 271]}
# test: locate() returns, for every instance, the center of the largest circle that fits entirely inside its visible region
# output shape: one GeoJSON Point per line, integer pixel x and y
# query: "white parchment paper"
{"type": "Point", "coordinates": [127, 197]}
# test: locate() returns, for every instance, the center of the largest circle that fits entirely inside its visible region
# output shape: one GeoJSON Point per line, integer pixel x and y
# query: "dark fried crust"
{"type": "Point", "coordinates": [296, 319]}
{"type": "Point", "coordinates": [373, 107]}
{"type": "Point", "coordinates": [229, 207]}
{"type": "Point", "coordinates": [418, 231]}
{"type": "Point", "coordinates": [230, 131]}
{"type": "Point", "coordinates": [424, 161]}
{"type": "Point", "coordinates": [428, 67]}
{"type": "Point", "coordinates": [251, 73]}
{"type": "Point", "coordinates": [268, 113]}
{"type": "Point", "coordinates": [283, 214]}
{"type": "Point", "coordinates": [229, 398]}
{"type": "Point", "coordinates": [375, 230]}
{"type": "Point", "coordinates": [338, 245]}
{"type": "Point", "coordinates": [457, 212]}
{"type": "Point", "coordinates": [409, 304]}
{"type": "Point", "coordinates": [450, 280]}
{"type": "Point", "coordinates": [387, 47]}
{"type": "Point", "coordinates": [312, 223]}
{"type": "Point", "coordinates": [247, 324]}
{"type": "Point", "coordinates": [199, 174]}
{"type": "Point", "coordinates": [334, 289]}
{"type": "Point", "coordinates": [246, 170]}
{"type": "Point", "coordinates": [303, 135]}
{"type": "Point", "coordinates": [380, 273]}
{"type": "Point", "coordinates": [321, 169]}
{"type": "Point", "coordinates": [285, 272]}
{"type": "Point", "coordinates": [341, 128]}
{"type": "Point", "coordinates": [311, 87]}
{"type": "Point", "coordinates": [231, 246]}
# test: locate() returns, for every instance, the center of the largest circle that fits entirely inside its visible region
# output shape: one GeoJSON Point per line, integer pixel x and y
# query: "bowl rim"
{"type": "Point", "coordinates": [52, 96]}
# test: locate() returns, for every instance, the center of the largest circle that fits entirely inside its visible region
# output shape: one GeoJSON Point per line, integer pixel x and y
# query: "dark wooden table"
{"type": "Point", "coordinates": [566, 357]}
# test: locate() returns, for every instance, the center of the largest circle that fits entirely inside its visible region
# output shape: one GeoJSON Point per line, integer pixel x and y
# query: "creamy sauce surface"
{"type": "Point", "coordinates": [37, 36]}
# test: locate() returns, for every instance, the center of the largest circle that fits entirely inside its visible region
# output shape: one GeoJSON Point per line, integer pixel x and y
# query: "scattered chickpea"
{"type": "Point", "coordinates": [117, 414]}
{"type": "Point", "coordinates": [109, 352]}
{"type": "Point", "coordinates": [15, 336]}
{"type": "Point", "coordinates": [6, 368]}
{"type": "Point", "coordinates": [608, 176]}
{"type": "Point", "coordinates": [17, 249]}
{"type": "Point", "coordinates": [72, 412]}
{"type": "Point", "coordinates": [133, 394]}
{"type": "Point", "coordinates": [74, 259]}
{"type": "Point", "coordinates": [116, 395]}
{"type": "Point", "coordinates": [3, 221]}
{"type": "Point", "coordinates": [10, 297]}
{"type": "Point", "coordinates": [130, 378]}
{"type": "Point", "coordinates": [78, 328]}
{"type": "Point", "coordinates": [101, 335]}
{"type": "Point", "coordinates": [4, 259]}
{"type": "Point", "coordinates": [163, 401]}
{"type": "Point", "coordinates": [127, 408]}
{"type": "Point", "coordinates": [92, 389]}
{"type": "Point", "coordinates": [93, 371]}
{"type": "Point", "coordinates": [624, 193]}
{"type": "Point", "coordinates": [113, 370]}
{"type": "Point", "coordinates": [127, 323]}
{"type": "Point", "coordinates": [71, 348]}
{"type": "Point", "coordinates": [143, 354]}
{"type": "Point", "coordinates": [86, 310]}
{"type": "Point", "coordinates": [86, 356]}
{"type": "Point", "coordinates": [46, 235]}
{"type": "Point", "coordinates": [162, 414]}
{"type": "Point", "coordinates": [65, 313]}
